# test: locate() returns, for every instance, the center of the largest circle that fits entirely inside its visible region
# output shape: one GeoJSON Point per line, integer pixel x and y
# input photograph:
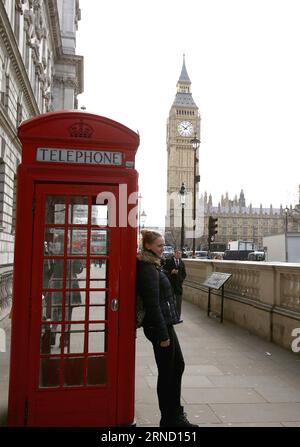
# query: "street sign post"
{"type": "Point", "coordinates": [216, 280]}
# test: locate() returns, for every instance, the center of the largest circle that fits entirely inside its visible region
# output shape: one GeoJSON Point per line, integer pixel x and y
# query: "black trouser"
{"type": "Point", "coordinates": [178, 299]}
{"type": "Point", "coordinates": [170, 365]}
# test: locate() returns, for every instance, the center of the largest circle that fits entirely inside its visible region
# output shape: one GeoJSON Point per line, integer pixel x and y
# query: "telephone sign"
{"type": "Point", "coordinates": [52, 155]}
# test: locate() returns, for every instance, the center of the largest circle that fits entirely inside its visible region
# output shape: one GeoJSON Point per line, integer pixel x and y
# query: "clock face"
{"type": "Point", "coordinates": [185, 128]}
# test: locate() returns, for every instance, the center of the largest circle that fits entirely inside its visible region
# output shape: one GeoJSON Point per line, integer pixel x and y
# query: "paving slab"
{"type": "Point", "coordinates": [187, 382]}
{"type": "Point", "coordinates": [278, 394]}
{"type": "Point", "coordinates": [221, 395]}
{"type": "Point", "coordinates": [258, 412]}
{"type": "Point", "coordinates": [245, 381]}
{"type": "Point", "coordinates": [291, 424]}
{"type": "Point", "coordinates": [202, 370]}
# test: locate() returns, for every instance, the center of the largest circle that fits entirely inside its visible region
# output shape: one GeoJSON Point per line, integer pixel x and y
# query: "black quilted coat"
{"type": "Point", "coordinates": [154, 287]}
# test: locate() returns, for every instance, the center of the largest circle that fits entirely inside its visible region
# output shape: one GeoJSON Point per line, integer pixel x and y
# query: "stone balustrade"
{"type": "Point", "coordinates": [260, 296]}
{"type": "Point", "coordinates": [6, 279]}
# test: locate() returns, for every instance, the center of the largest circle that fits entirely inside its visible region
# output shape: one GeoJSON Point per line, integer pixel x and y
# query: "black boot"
{"type": "Point", "coordinates": [182, 421]}
{"type": "Point", "coordinates": [179, 419]}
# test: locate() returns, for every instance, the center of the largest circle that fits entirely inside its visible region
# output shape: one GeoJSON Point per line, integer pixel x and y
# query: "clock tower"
{"type": "Point", "coordinates": [183, 124]}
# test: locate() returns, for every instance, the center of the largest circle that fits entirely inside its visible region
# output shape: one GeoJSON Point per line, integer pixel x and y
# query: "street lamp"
{"type": "Point", "coordinates": [286, 212]}
{"type": "Point", "coordinates": [182, 193]}
{"type": "Point", "coordinates": [195, 145]}
{"type": "Point", "coordinates": [139, 208]}
{"type": "Point", "coordinates": [143, 218]}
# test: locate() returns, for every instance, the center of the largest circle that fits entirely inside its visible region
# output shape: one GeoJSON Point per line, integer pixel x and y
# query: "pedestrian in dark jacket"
{"type": "Point", "coordinates": [155, 289]}
{"type": "Point", "coordinates": [175, 269]}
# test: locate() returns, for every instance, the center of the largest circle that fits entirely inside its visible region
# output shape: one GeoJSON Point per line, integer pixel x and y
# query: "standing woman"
{"type": "Point", "coordinates": [155, 289]}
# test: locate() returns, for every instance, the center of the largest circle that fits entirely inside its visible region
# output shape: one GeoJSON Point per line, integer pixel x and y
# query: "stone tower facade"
{"type": "Point", "coordinates": [183, 124]}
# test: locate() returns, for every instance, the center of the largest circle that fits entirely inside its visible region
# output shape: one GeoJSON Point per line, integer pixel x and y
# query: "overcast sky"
{"type": "Point", "coordinates": [242, 57]}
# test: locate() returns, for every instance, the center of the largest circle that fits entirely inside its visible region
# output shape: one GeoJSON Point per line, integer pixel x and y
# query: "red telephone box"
{"type": "Point", "coordinates": [73, 322]}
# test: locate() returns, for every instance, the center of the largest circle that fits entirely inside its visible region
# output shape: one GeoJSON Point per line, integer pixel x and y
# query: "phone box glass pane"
{"type": "Point", "coordinates": [77, 242]}
{"type": "Point", "coordinates": [73, 371]}
{"type": "Point", "coordinates": [97, 370]}
{"type": "Point", "coordinates": [52, 306]}
{"type": "Point", "coordinates": [53, 279]}
{"type": "Point", "coordinates": [49, 372]}
{"type": "Point", "coordinates": [76, 274]}
{"type": "Point", "coordinates": [97, 312]}
{"type": "Point", "coordinates": [99, 214]}
{"type": "Point", "coordinates": [54, 241]}
{"type": "Point", "coordinates": [74, 339]}
{"type": "Point", "coordinates": [78, 210]}
{"type": "Point", "coordinates": [97, 297]}
{"type": "Point", "coordinates": [97, 338]}
{"type": "Point", "coordinates": [55, 210]}
{"type": "Point", "coordinates": [99, 242]}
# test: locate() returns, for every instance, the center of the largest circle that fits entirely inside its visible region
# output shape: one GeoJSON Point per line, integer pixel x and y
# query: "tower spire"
{"type": "Point", "coordinates": [184, 77]}
{"type": "Point", "coordinates": [184, 83]}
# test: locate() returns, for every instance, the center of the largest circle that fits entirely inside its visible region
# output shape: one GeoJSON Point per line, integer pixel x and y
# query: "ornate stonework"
{"type": "Point", "coordinates": [38, 74]}
{"type": "Point", "coordinates": [183, 125]}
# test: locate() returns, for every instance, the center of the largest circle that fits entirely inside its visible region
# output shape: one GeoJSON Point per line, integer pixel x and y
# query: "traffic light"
{"type": "Point", "coordinates": [212, 228]}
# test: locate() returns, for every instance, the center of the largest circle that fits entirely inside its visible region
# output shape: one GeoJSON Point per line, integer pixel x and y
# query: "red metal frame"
{"type": "Point", "coordinates": [87, 405]}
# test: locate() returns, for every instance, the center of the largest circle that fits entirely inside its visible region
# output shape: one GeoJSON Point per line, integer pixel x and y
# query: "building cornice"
{"type": "Point", "coordinates": [60, 56]}
{"type": "Point", "coordinates": [51, 8]}
{"type": "Point", "coordinates": [13, 52]}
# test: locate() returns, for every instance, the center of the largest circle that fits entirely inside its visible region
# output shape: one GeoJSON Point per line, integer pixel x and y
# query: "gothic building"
{"type": "Point", "coordinates": [239, 221]}
{"type": "Point", "coordinates": [40, 72]}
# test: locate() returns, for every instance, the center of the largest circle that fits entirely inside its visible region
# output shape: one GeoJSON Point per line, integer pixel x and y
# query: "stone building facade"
{"type": "Point", "coordinates": [239, 221]}
{"type": "Point", "coordinates": [183, 125]}
{"type": "Point", "coordinates": [40, 72]}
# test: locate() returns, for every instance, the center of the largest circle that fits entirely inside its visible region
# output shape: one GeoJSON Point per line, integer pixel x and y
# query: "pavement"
{"type": "Point", "coordinates": [232, 378]}
{"type": "Point", "coordinates": [4, 367]}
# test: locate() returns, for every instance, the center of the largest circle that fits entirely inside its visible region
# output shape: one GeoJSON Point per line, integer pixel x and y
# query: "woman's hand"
{"type": "Point", "coordinates": [164, 343]}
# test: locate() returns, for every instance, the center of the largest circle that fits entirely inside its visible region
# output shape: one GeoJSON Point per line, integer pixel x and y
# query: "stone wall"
{"type": "Point", "coordinates": [261, 297]}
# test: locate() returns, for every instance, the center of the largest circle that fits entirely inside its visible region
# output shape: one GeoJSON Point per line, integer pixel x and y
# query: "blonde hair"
{"type": "Point", "coordinates": [149, 236]}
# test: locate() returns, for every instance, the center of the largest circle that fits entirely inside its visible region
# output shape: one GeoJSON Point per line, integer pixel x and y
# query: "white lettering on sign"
{"type": "Point", "coordinates": [94, 157]}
